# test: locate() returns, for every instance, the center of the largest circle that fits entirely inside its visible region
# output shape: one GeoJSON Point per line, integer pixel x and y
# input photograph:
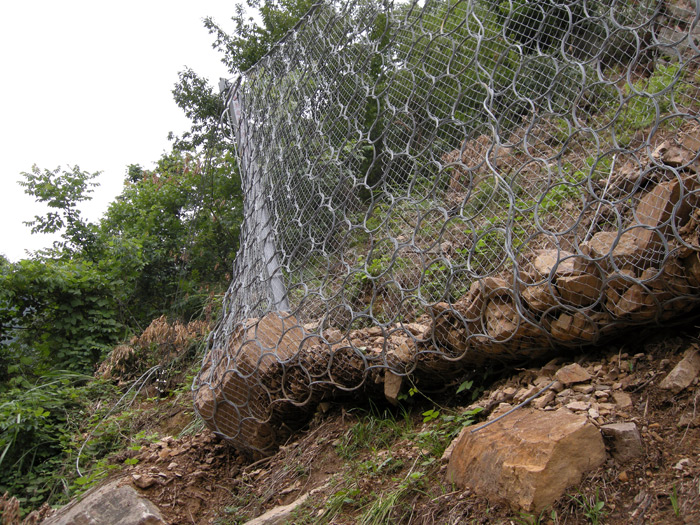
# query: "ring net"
{"type": "Point", "coordinates": [434, 187]}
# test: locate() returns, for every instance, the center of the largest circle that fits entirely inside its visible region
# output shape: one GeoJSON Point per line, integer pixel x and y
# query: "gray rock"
{"type": "Point", "coordinates": [624, 441]}
{"type": "Point", "coordinates": [108, 504]}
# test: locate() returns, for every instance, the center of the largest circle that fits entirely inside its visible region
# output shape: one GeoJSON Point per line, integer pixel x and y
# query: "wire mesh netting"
{"type": "Point", "coordinates": [434, 187]}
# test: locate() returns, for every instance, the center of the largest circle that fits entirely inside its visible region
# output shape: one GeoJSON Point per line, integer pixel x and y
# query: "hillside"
{"type": "Point", "coordinates": [380, 464]}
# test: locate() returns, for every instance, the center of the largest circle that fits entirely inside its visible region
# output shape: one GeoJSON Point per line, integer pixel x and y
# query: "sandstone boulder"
{"type": "Point", "coordinates": [528, 458]}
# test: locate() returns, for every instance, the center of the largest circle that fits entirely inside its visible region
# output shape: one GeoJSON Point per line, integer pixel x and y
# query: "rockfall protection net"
{"type": "Point", "coordinates": [432, 188]}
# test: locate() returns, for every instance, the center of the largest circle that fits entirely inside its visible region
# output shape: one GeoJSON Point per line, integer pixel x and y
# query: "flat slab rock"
{"type": "Point", "coordinates": [528, 458]}
{"type": "Point", "coordinates": [109, 504]}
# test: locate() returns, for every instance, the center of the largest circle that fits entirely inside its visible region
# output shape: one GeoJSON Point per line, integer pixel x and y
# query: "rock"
{"type": "Point", "coordinates": [502, 319]}
{"type": "Point", "coordinates": [285, 513]}
{"type": "Point", "coordinates": [528, 458]}
{"type": "Point", "coordinates": [683, 373]}
{"type": "Point", "coordinates": [279, 515]}
{"type": "Point", "coordinates": [548, 261]}
{"type": "Point", "coordinates": [689, 420]}
{"type": "Point", "coordinates": [623, 249]}
{"type": "Point", "coordinates": [622, 399]}
{"type": "Point", "coordinates": [580, 290]}
{"type": "Point", "coordinates": [635, 302]}
{"type": "Point", "coordinates": [236, 403]}
{"type": "Point", "coordinates": [578, 406]}
{"type": "Point", "coordinates": [392, 387]}
{"type": "Point", "coordinates": [143, 482]}
{"type": "Point", "coordinates": [654, 211]}
{"type": "Point", "coordinates": [573, 373]}
{"type": "Point", "coordinates": [624, 441]}
{"type": "Point", "coordinates": [544, 400]}
{"type": "Point", "coordinates": [691, 266]}
{"type": "Point", "coordinates": [540, 297]}
{"type": "Point", "coordinates": [109, 504]}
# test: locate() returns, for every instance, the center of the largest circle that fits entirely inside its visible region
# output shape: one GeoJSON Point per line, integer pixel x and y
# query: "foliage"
{"type": "Point", "coordinates": [179, 223]}
{"type": "Point", "coordinates": [646, 99]}
{"type": "Point", "coordinates": [239, 50]}
{"type": "Point", "coordinates": [37, 426]}
{"type": "Point", "coordinates": [62, 192]}
{"type": "Point", "coordinates": [63, 314]}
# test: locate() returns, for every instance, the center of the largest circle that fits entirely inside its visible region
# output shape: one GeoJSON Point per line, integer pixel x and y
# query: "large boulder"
{"type": "Point", "coordinates": [528, 458]}
{"type": "Point", "coordinates": [109, 504]}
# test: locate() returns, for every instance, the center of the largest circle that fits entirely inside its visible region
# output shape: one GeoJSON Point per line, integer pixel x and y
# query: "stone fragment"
{"type": "Point", "coordinates": [528, 458]}
{"type": "Point", "coordinates": [623, 250]}
{"type": "Point", "coordinates": [540, 297]}
{"type": "Point", "coordinates": [279, 515]}
{"type": "Point", "coordinates": [285, 513]}
{"type": "Point", "coordinates": [691, 265]}
{"type": "Point", "coordinates": [573, 373]}
{"type": "Point", "coordinates": [108, 504]}
{"type": "Point", "coordinates": [624, 441]}
{"type": "Point", "coordinates": [635, 302]}
{"type": "Point", "coordinates": [622, 399]}
{"type": "Point", "coordinates": [142, 481]}
{"type": "Point", "coordinates": [689, 420]}
{"type": "Point", "coordinates": [654, 211]}
{"type": "Point", "coordinates": [578, 406]}
{"type": "Point", "coordinates": [683, 373]}
{"type": "Point", "coordinates": [580, 290]}
{"type": "Point", "coordinates": [502, 319]}
{"type": "Point", "coordinates": [544, 400]}
{"type": "Point", "coordinates": [392, 387]}
{"type": "Point", "coordinates": [548, 261]}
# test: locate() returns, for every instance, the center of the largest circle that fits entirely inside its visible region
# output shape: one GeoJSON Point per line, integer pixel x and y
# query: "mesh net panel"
{"type": "Point", "coordinates": [433, 188]}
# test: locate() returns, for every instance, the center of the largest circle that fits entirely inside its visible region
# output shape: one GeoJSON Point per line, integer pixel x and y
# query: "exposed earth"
{"type": "Point", "coordinates": [377, 464]}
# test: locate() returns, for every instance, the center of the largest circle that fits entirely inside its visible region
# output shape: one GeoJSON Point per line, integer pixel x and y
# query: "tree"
{"type": "Point", "coordinates": [62, 192]}
{"type": "Point", "coordinates": [176, 229]}
{"type": "Point", "coordinates": [248, 43]}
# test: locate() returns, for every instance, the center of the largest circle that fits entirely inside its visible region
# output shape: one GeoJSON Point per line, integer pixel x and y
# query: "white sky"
{"type": "Point", "coordinates": [89, 83]}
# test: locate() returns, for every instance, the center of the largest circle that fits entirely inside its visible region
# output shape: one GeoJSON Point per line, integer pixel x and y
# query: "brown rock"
{"type": "Point", "coordinates": [654, 211]}
{"type": "Point", "coordinates": [622, 399]}
{"type": "Point", "coordinates": [573, 373]}
{"type": "Point", "coordinates": [392, 387]}
{"type": "Point", "coordinates": [624, 441]}
{"type": "Point", "coordinates": [549, 260]}
{"type": "Point", "coordinates": [691, 265]}
{"type": "Point", "coordinates": [624, 250]}
{"type": "Point", "coordinates": [635, 302]}
{"type": "Point", "coordinates": [580, 290]}
{"type": "Point", "coordinates": [528, 458]}
{"type": "Point", "coordinates": [540, 297]}
{"type": "Point", "coordinates": [502, 319]}
{"type": "Point", "coordinates": [683, 373]}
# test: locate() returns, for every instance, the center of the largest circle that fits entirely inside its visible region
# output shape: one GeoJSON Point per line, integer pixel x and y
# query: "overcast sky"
{"type": "Point", "coordinates": [89, 83]}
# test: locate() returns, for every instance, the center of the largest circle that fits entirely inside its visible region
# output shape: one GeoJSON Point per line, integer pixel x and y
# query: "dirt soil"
{"type": "Point", "coordinates": [202, 479]}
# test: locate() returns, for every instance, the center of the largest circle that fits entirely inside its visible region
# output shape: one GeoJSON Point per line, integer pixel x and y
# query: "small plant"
{"type": "Point", "coordinates": [593, 508]}
{"type": "Point", "coordinates": [674, 501]}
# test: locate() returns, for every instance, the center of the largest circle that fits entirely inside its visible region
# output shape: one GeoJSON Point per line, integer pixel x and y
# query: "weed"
{"type": "Point", "coordinates": [338, 501]}
{"type": "Point", "coordinates": [593, 508]}
{"type": "Point", "coordinates": [674, 501]}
